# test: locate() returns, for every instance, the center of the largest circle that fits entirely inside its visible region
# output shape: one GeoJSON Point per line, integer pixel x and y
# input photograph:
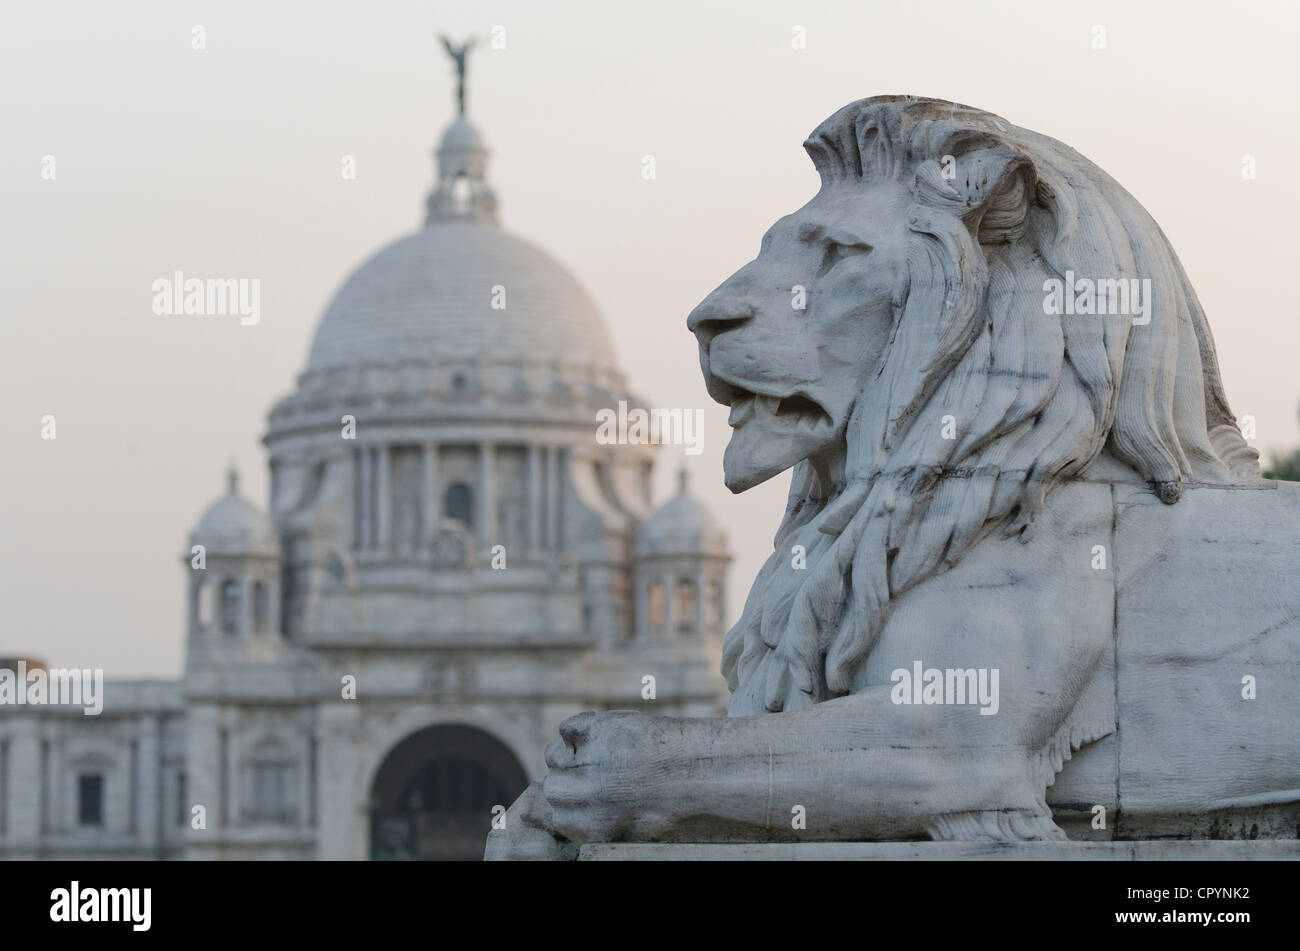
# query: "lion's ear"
{"type": "Point", "coordinates": [991, 185]}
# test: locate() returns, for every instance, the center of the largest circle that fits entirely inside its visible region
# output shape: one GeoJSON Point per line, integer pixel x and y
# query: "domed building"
{"type": "Point", "coordinates": [450, 563]}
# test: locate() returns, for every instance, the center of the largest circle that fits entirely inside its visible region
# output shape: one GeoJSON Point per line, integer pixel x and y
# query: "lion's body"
{"type": "Point", "coordinates": [991, 459]}
{"type": "Point", "coordinates": [1125, 675]}
{"type": "Point", "coordinates": [984, 484]}
{"type": "Point", "coordinates": [1204, 677]}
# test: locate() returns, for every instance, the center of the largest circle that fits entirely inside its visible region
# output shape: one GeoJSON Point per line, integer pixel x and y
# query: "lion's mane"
{"type": "Point", "coordinates": [1035, 398]}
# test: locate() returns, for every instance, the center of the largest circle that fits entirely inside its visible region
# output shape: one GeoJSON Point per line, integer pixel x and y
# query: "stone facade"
{"type": "Point", "coordinates": [450, 566]}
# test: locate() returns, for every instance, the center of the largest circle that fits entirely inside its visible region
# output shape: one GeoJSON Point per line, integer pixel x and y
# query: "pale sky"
{"type": "Point", "coordinates": [226, 161]}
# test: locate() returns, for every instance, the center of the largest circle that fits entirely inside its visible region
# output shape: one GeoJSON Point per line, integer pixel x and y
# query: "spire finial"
{"type": "Point", "coordinates": [462, 192]}
{"type": "Point", "coordinates": [683, 480]}
{"type": "Point", "coordinates": [232, 478]}
{"type": "Point", "coordinates": [458, 56]}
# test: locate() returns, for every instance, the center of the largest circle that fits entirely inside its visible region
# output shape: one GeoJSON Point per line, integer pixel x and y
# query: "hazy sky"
{"type": "Point", "coordinates": [226, 161]}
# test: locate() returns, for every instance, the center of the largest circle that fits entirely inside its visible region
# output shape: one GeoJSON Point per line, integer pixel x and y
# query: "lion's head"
{"type": "Point", "coordinates": [893, 343]}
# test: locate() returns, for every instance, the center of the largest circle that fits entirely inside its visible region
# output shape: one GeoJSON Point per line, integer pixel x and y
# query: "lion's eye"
{"type": "Point", "coordinates": [836, 252]}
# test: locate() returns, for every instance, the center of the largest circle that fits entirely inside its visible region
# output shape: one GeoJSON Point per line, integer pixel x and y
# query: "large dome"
{"type": "Point", "coordinates": [430, 296]}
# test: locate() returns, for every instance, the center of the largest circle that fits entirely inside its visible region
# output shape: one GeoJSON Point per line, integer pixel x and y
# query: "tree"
{"type": "Point", "coordinates": [1285, 467]}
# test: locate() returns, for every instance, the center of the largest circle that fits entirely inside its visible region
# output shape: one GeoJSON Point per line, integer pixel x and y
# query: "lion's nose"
{"type": "Point", "coordinates": [714, 315]}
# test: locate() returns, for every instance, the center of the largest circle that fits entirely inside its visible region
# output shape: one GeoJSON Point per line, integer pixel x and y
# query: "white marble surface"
{"type": "Point", "coordinates": [1059, 501]}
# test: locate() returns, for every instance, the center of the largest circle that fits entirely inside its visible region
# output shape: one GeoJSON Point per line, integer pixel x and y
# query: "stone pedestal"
{"type": "Point", "coordinates": [1145, 851]}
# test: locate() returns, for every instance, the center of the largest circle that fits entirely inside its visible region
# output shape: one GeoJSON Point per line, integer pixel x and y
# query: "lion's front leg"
{"type": "Point", "coordinates": [856, 768]}
{"type": "Point", "coordinates": [527, 832]}
{"type": "Point", "coordinates": [612, 775]}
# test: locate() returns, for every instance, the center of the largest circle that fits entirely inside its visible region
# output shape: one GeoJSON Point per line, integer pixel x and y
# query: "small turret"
{"type": "Point", "coordinates": [234, 571]}
{"type": "Point", "coordinates": [682, 560]}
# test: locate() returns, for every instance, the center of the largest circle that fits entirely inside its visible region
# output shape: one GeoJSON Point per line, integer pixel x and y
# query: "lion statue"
{"type": "Point", "coordinates": [1024, 529]}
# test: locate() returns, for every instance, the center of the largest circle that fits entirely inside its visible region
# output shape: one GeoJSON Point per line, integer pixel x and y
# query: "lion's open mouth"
{"type": "Point", "coordinates": [770, 432]}
{"type": "Point", "coordinates": [777, 413]}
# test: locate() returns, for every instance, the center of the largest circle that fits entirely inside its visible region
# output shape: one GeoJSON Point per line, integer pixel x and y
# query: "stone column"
{"type": "Point", "coordinates": [196, 580]}
{"type": "Point", "coordinates": [148, 806]}
{"type": "Point", "coordinates": [700, 597]}
{"type": "Point", "coordinates": [343, 817]}
{"type": "Point", "coordinates": [58, 797]}
{"type": "Point", "coordinates": [132, 818]}
{"type": "Point", "coordinates": [534, 498]}
{"type": "Point", "coordinates": [552, 496]}
{"type": "Point", "coordinates": [363, 499]}
{"type": "Point", "coordinates": [487, 494]}
{"type": "Point", "coordinates": [429, 513]}
{"type": "Point", "coordinates": [354, 501]}
{"type": "Point", "coordinates": [563, 459]}
{"type": "Point", "coordinates": [383, 530]}
{"type": "Point", "coordinates": [202, 778]}
{"type": "Point", "coordinates": [237, 788]}
{"type": "Point", "coordinates": [670, 606]}
{"type": "Point", "coordinates": [26, 799]}
{"type": "Point", "coordinates": [300, 782]}
{"type": "Point", "coordinates": [311, 816]}
{"type": "Point", "coordinates": [274, 609]}
{"type": "Point", "coordinates": [246, 626]}
{"type": "Point", "coordinates": [642, 620]}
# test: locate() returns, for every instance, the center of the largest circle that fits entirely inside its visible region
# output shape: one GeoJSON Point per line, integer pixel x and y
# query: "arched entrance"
{"type": "Point", "coordinates": [433, 794]}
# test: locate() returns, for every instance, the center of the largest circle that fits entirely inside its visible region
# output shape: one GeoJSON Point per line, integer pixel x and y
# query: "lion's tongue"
{"type": "Point", "coordinates": [770, 443]}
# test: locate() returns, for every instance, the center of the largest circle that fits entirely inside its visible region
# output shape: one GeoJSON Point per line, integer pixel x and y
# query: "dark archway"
{"type": "Point", "coordinates": [433, 794]}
